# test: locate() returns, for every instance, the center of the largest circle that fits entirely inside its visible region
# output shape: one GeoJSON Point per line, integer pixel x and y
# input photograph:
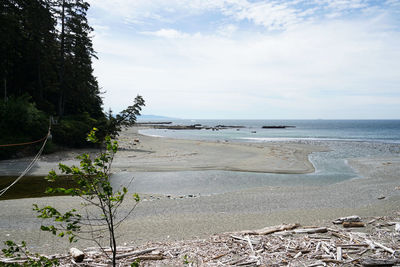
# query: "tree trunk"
{"type": "Point", "coordinates": [61, 99]}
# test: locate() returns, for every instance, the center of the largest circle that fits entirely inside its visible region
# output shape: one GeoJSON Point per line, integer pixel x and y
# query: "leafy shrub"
{"type": "Point", "coordinates": [20, 122]}
{"type": "Point", "coordinates": [72, 130]}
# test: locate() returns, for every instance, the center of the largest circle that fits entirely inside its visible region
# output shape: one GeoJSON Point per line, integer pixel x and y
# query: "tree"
{"type": "Point", "coordinates": [27, 51]}
{"type": "Point", "coordinates": [79, 91]}
{"type": "Point", "coordinates": [125, 118]}
{"type": "Point", "coordinates": [93, 186]}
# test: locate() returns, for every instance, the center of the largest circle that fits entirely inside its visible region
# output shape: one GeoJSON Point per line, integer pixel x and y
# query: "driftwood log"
{"type": "Point", "coordinates": [282, 245]}
{"type": "Point", "coordinates": [379, 262]}
{"type": "Point", "coordinates": [353, 218]}
{"type": "Point", "coordinates": [353, 224]}
{"type": "Point", "coordinates": [271, 229]}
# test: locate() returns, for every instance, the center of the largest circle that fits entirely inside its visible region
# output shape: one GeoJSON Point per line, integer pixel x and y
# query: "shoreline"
{"type": "Point", "coordinates": [166, 219]}
{"type": "Point", "coordinates": [141, 153]}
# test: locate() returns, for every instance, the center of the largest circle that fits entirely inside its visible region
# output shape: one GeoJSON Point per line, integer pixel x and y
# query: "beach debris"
{"type": "Point", "coordinates": [280, 245]}
{"type": "Point", "coordinates": [381, 197]}
{"type": "Point", "coordinates": [353, 218]}
{"type": "Point", "coordinates": [271, 229]}
{"type": "Point", "coordinates": [77, 254]}
{"type": "Point", "coordinates": [311, 230]}
{"type": "Point", "coordinates": [353, 224]}
{"type": "Point", "coordinates": [379, 262]}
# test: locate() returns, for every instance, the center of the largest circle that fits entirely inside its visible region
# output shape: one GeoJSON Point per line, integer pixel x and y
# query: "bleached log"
{"type": "Point", "coordinates": [352, 245]}
{"type": "Point", "coordinates": [244, 239]}
{"type": "Point", "coordinates": [155, 257]}
{"type": "Point", "coordinates": [311, 230]}
{"type": "Point", "coordinates": [370, 244]}
{"type": "Point", "coordinates": [297, 255]}
{"type": "Point", "coordinates": [12, 260]}
{"type": "Point", "coordinates": [318, 246]}
{"type": "Point", "coordinates": [332, 261]}
{"type": "Point", "coordinates": [384, 247]}
{"type": "Point", "coordinates": [353, 224]}
{"type": "Point", "coordinates": [339, 253]}
{"type": "Point", "coordinates": [353, 218]}
{"type": "Point", "coordinates": [252, 262]}
{"type": "Point", "coordinates": [379, 262]}
{"type": "Point", "coordinates": [271, 229]}
{"type": "Point", "coordinates": [250, 245]}
{"type": "Point", "coordinates": [326, 249]}
{"type": "Point", "coordinates": [135, 253]}
{"type": "Point", "coordinates": [77, 254]}
{"type": "Point", "coordinates": [318, 263]}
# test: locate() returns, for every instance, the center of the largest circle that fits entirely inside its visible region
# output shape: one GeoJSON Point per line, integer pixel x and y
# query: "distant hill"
{"type": "Point", "coordinates": [146, 117]}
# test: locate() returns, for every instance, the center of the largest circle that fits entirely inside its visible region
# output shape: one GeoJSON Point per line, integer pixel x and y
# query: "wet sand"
{"type": "Point", "coordinates": [162, 218]}
{"type": "Point", "coordinates": [161, 154]}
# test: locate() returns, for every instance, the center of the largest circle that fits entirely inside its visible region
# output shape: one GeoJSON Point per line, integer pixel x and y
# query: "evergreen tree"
{"type": "Point", "coordinates": [46, 55]}
{"type": "Point", "coordinates": [79, 90]}
{"type": "Point", "coordinates": [27, 51]}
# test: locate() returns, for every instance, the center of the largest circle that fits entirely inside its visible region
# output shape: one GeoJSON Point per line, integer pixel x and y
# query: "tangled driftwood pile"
{"type": "Point", "coordinates": [349, 241]}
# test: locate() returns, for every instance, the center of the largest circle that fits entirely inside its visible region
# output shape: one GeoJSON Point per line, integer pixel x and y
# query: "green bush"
{"type": "Point", "coordinates": [20, 122]}
{"type": "Point", "coordinates": [72, 131]}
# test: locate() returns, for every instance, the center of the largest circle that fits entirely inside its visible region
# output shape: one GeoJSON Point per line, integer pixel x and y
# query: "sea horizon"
{"type": "Point", "coordinates": [383, 131]}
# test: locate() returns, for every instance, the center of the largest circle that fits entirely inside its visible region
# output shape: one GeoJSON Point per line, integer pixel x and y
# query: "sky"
{"type": "Point", "coordinates": [250, 59]}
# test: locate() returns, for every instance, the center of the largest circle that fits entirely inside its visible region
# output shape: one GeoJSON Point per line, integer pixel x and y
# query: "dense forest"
{"type": "Point", "coordinates": [46, 55]}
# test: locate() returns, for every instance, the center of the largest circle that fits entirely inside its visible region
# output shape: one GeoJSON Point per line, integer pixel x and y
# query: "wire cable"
{"type": "Point", "coordinates": [30, 166]}
{"type": "Point", "coordinates": [27, 143]}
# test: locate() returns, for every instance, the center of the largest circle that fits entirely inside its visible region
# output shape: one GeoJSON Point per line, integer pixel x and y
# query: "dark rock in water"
{"type": "Point", "coordinates": [278, 126]}
{"type": "Point", "coordinates": [178, 127]}
{"type": "Point", "coordinates": [149, 123]}
{"type": "Point", "coordinates": [188, 127]}
{"type": "Point", "coordinates": [229, 126]}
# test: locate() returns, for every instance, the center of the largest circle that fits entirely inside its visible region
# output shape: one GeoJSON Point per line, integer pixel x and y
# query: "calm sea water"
{"type": "Point", "coordinates": [346, 139]}
{"type": "Point", "coordinates": [387, 131]}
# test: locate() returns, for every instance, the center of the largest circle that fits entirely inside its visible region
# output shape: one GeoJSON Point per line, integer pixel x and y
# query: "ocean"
{"type": "Point", "coordinates": [346, 139]}
{"type": "Point", "coordinates": [383, 131]}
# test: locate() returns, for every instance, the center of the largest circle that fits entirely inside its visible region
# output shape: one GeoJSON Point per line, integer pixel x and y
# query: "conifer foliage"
{"type": "Point", "coordinates": [46, 55]}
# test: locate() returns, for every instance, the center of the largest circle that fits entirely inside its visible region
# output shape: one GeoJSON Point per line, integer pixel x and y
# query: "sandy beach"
{"type": "Point", "coordinates": [159, 217]}
{"type": "Point", "coordinates": [152, 154]}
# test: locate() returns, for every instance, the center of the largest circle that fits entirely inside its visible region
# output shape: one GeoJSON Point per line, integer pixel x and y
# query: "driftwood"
{"type": "Point", "coordinates": [353, 224]}
{"type": "Point", "coordinates": [135, 253]}
{"type": "Point", "coordinates": [282, 245]}
{"type": "Point", "coordinates": [379, 262]}
{"type": "Point", "coordinates": [311, 230]}
{"type": "Point", "coordinates": [271, 229]}
{"type": "Point", "coordinates": [353, 218]}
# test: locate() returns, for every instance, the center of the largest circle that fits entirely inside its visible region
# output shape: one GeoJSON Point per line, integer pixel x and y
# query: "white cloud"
{"type": "Point", "coordinates": [308, 65]}
{"type": "Point", "coordinates": [167, 33]}
{"type": "Point", "coordinates": [348, 64]}
{"type": "Point", "coordinates": [272, 14]}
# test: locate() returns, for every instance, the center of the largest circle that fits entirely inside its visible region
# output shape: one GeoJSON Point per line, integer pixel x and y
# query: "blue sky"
{"type": "Point", "coordinates": [249, 59]}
